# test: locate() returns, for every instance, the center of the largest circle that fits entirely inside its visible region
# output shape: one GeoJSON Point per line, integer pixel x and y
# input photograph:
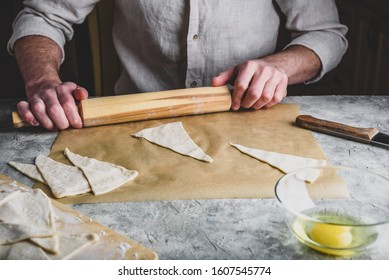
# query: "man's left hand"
{"type": "Point", "coordinates": [257, 83]}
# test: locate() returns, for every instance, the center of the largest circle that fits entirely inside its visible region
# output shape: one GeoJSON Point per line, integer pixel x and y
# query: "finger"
{"type": "Point", "coordinates": [80, 93]}
{"type": "Point", "coordinates": [26, 114]}
{"type": "Point", "coordinates": [242, 83]}
{"type": "Point", "coordinates": [223, 78]}
{"type": "Point", "coordinates": [55, 111]}
{"type": "Point", "coordinates": [254, 92]}
{"type": "Point", "coordinates": [267, 95]}
{"type": "Point", "coordinates": [69, 106]}
{"type": "Point", "coordinates": [38, 108]}
{"type": "Point", "coordinates": [280, 93]}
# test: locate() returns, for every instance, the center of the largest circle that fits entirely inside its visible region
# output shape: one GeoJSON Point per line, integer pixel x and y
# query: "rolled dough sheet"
{"type": "Point", "coordinates": [166, 176]}
{"type": "Point", "coordinates": [96, 241]}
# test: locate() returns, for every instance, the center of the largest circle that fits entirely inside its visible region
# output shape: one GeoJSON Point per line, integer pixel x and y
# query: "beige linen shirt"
{"type": "Point", "coordinates": [167, 44]}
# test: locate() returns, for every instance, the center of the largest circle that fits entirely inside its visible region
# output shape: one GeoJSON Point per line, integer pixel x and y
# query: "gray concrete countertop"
{"type": "Point", "coordinates": [226, 228]}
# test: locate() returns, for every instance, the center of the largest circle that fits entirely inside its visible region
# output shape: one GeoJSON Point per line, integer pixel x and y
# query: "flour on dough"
{"type": "Point", "coordinates": [7, 187]}
{"type": "Point", "coordinates": [6, 195]}
{"type": "Point", "coordinates": [23, 250]}
{"type": "Point", "coordinates": [12, 233]}
{"type": "Point", "coordinates": [49, 244]}
{"type": "Point", "coordinates": [28, 169]}
{"type": "Point", "coordinates": [63, 180]}
{"type": "Point", "coordinates": [71, 244]}
{"type": "Point", "coordinates": [284, 162]}
{"type": "Point", "coordinates": [28, 227]}
{"type": "Point", "coordinates": [103, 177]}
{"type": "Point", "coordinates": [173, 136]}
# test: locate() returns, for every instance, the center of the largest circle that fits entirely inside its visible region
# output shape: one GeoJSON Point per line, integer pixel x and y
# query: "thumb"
{"type": "Point", "coordinates": [80, 93]}
{"type": "Point", "coordinates": [223, 77]}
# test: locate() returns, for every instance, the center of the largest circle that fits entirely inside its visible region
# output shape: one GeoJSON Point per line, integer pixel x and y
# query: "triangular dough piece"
{"type": "Point", "coordinates": [103, 177]}
{"type": "Point", "coordinates": [173, 136]}
{"type": "Point", "coordinates": [284, 162]}
{"type": "Point", "coordinates": [28, 169]}
{"type": "Point", "coordinates": [26, 215]}
{"type": "Point", "coordinates": [63, 180]}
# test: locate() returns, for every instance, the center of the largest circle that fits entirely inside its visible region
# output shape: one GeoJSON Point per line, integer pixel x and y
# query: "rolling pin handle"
{"type": "Point", "coordinates": [18, 122]}
{"type": "Point", "coordinates": [360, 134]}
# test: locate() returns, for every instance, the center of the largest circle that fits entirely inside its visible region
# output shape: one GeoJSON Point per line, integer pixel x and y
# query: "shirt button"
{"type": "Point", "coordinates": [193, 84]}
{"type": "Point", "coordinates": [195, 37]}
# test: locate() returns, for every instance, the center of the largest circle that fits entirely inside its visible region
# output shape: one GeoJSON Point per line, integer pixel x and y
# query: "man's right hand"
{"type": "Point", "coordinates": [54, 106]}
{"type": "Point", "coordinates": [50, 102]}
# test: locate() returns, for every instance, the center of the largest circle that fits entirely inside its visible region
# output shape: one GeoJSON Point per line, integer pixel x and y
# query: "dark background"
{"type": "Point", "coordinates": [364, 70]}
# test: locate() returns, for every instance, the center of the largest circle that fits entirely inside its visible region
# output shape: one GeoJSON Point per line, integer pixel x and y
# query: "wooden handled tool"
{"type": "Point", "coordinates": [151, 105]}
{"type": "Point", "coordinates": [365, 135]}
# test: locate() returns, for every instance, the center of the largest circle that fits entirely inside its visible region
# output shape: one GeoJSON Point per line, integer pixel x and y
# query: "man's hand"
{"type": "Point", "coordinates": [53, 106]}
{"type": "Point", "coordinates": [263, 82]}
{"type": "Point", "coordinates": [257, 84]}
{"type": "Point", "coordinates": [50, 102]}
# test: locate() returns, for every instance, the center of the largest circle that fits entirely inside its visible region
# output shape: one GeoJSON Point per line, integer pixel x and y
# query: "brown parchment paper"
{"type": "Point", "coordinates": [110, 246]}
{"type": "Point", "coordinates": [166, 175]}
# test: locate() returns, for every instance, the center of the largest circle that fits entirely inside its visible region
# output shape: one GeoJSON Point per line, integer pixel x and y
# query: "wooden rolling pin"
{"type": "Point", "coordinates": [150, 105]}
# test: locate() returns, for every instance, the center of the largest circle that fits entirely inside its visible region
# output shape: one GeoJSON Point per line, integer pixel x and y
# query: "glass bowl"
{"type": "Point", "coordinates": [336, 210]}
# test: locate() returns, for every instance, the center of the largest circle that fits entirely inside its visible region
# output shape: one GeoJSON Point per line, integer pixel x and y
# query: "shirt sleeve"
{"type": "Point", "coordinates": [53, 19]}
{"type": "Point", "coordinates": [315, 25]}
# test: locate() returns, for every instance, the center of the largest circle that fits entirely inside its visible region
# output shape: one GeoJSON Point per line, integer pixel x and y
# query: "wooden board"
{"type": "Point", "coordinates": [110, 245]}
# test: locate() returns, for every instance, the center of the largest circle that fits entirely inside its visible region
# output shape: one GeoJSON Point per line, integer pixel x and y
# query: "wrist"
{"type": "Point", "coordinates": [41, 84]}
{"type": "Point", "coordinates": [280, 61]}
{"type": "Point", "coordinates": [38, 58]}
{"type": "Point", "coordinates": [297, 62]}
